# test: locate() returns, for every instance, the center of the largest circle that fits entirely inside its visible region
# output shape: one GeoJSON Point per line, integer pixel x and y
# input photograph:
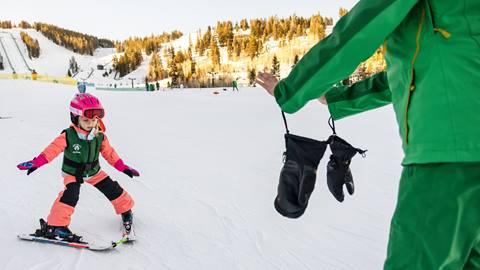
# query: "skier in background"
{"type": "Point", "coordinates": [82, 87]}
{"type": "Point", "coordinates": [432, 78]}
{"type": "Point", "coordinates": [81, 144]}
{"type": "Point", "coordinates": [234, 85]}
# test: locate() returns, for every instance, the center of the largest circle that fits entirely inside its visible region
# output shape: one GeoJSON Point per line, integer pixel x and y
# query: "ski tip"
{"type": "Point", "coordinates": [123, 240]}
{"type": "Point", "coordinates": [25, 236]}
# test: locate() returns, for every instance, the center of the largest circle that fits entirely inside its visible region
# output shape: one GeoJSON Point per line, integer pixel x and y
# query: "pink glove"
{"type": "Point", "coordinates": [34, 164]}
{"type": "Point", "coordinates": [119, 165]}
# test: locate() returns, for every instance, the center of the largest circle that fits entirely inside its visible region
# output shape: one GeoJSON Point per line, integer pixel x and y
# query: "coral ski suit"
{"type": "Point", "coordinates": [73, 142]}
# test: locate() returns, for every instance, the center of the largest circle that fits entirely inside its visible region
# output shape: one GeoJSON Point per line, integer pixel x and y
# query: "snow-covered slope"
{"type": "Point", "coordinates": [54, 59]}
{"type": "Point", "coordinates": [16, 57]}
{"type": "Point", "coordinates": [209, 169]}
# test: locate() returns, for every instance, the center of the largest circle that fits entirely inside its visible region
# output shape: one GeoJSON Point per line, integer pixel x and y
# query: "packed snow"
{"type": "Point", "coordinates": [209, 167]}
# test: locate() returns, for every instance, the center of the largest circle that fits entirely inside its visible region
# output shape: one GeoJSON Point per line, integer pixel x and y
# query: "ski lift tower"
{"type": "Point", "coordinates": [132, 79]}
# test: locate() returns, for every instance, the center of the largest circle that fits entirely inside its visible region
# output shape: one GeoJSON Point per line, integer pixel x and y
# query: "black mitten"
{"type": "Point", "coordinates": [298, 175]}
{"type": "Point", "coordinates": [338, 168]}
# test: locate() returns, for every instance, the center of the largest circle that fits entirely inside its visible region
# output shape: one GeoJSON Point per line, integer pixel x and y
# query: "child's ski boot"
{"type": "Point", "coordinates": [127, 228]}
{"type": "Point", "coordinates": [57, 232]}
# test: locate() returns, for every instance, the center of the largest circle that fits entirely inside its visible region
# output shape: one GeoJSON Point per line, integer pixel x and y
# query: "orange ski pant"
{"type": "Point", "coordinates": [64, 206]}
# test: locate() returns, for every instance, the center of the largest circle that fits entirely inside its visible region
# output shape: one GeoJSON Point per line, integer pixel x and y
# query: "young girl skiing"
{"type": "Point", "coordinates": [81, 144]}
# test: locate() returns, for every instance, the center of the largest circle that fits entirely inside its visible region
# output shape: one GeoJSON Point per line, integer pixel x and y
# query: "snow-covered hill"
{"type": "Point", "coordinates": [13, 49]}
{"type": "Point", "coordinates": [209, 169]}
{"type": "Point", "coordinates": [54, 59]}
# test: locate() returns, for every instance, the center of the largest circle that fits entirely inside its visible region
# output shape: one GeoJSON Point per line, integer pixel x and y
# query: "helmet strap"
{"type": "Point", "coordinates": [75, 119]}
{"type": "Point", "coordinates": [101, 126]}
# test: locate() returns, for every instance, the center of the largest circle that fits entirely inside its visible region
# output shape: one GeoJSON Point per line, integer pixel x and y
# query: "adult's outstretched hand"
{"type": "Point", "coordinates": [267, 81]}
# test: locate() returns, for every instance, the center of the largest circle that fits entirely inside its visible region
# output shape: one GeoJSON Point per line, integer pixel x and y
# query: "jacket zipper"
{"type": "Point", "coordinates": [436, 29]}
{"type": "Point", "coordinates": [88, 157]}
{"type": "Point", "coordinates": [411, 86]}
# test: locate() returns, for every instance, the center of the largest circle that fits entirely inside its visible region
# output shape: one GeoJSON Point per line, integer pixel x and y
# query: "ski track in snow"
{"type": "Point", "coordinates": [209, 169]}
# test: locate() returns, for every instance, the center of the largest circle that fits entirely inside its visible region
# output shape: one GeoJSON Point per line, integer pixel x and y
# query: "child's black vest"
{"type": "Point", "coordinates": [80, 157]}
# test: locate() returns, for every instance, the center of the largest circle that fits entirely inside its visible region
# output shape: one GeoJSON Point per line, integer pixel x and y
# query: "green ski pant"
{"type": "Point", "coordinates": [436, 224]}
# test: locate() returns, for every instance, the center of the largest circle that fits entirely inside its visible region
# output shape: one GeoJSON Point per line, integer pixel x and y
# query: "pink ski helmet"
{"type": "Point", "coordinates": [85, 105]}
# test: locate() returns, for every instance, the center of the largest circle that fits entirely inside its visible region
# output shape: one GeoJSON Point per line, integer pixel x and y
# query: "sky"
{"type": "Point", "coordinates": [121, 19]}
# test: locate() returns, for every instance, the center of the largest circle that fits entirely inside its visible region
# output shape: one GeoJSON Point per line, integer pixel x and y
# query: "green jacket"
{"type": "Point", "coordinates": [432, 77]}
{"type": "Point", "coordinates": [80, 152]}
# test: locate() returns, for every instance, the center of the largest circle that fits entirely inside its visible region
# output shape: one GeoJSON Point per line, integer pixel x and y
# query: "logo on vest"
{"type": "Point", "coordinates": [76, 148]}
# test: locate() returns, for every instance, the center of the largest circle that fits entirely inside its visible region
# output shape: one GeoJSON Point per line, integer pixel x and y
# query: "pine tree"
{"type": "Point", "coordinates": [317, 27]}
{"type": "Point", "coordinates": [207, 37]}
{"type": "Point", "coordinates": [224, 32]}
{"type": "Point", "coordinates": [292, 32]}
{"type": "Point", "coordinates": [269, 28]}
{"type": "Point", "coordinates": [174, 74]}
{"type": "Point", "coordinates": [244, 24]}
{"type": "Point", "coordinates": [180, 57]}
{"type": "Point", "coordinates": [6, 24]}
{"type": "Point", "coordinates": [237, 46]}
{"type": "Point", "coordinates": [155, 69]}
{"type": "Point", "coordinates": [295, 59]}
{"type": "Point", "coordinates": [173, 68]}
{"type": "Point", "coordinates": [189, 54]}
{"type": "Point", "coordinates": [24, 25]}
{"type": "Point", "coordinates": [193, 67]}
{"type": "Point", "coordinates": [275, 67]}
{"type": "Point", "coordinates": [278, 31]}
{"type": "Point", "coordinates": [252, 47]}
{"type": "Point", "coordinates": [73, 66]}
{"type": "Point", "coordinates": [252, 76]}
{"type": "Point", "coordinates": [199, 46]}
{"type": "Point", "coordinates": [150, 46]}
{"type": "Point", "coordinates": [230, 48]}
{"type": "Point", "coordinates": [214, 52]}
{"type": "Point", "coordinates": [32, 45]}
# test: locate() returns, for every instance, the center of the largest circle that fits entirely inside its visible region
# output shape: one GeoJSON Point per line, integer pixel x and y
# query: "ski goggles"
{"type": "Point", "coordinates": [93, 113]}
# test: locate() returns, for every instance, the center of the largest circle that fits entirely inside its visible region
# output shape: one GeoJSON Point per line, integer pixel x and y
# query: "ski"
{"type": "Point", "coordinates": [122, 241]}
{"type": "Point", "coordinates": [82, 245]}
